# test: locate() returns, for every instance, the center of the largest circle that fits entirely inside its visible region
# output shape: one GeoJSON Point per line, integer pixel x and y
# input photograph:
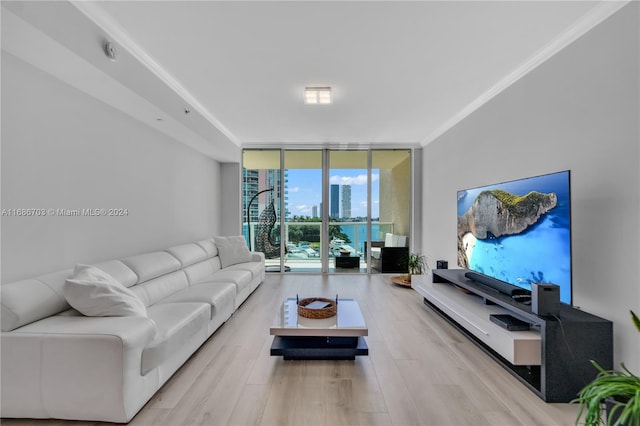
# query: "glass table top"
{"type": "Point", "coordinates": [348, 322]}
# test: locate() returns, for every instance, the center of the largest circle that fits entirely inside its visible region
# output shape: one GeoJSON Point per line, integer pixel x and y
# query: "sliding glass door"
{"type": "Point", "coordinates": [348, 210]}
{"type": "Point", "coordinates": [303, 217]}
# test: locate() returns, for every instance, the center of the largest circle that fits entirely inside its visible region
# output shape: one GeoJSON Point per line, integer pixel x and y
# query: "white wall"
{"type": "Point", "coordinates": [230, 211]}
{"type": "Point", "coordinates": [578, 111]}
{"type": "Point", "coordinates": [64, 149]}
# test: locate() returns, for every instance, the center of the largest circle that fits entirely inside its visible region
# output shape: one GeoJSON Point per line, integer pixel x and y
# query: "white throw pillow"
{"type": "Point", "coordinates": [232, 250]}
{"type": "Point", "coordinates": [388, 240]}
{"type": "Point", "coordinates": [393, 240]}
{"type": "Point", "coordinates": [94, 293]}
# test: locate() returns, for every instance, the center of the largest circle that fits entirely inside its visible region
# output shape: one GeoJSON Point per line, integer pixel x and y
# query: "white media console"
{"type": "Point", "coordinates": [552, 358]}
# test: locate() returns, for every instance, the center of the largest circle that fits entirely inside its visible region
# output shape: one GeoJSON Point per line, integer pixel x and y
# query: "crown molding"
{"type": "Point", "coordinates": [102, 19]}
{"type": "Point", "coordinates": [590, 20]}
{"type": "Point", "coordinates": [30, 45]}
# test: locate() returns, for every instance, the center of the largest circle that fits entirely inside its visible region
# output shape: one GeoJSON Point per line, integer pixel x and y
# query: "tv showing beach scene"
{"type": "Point", "coordinates": [518, 232]}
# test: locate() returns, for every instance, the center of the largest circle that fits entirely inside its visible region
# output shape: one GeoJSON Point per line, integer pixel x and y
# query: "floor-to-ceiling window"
{"type": "Point", "coordinates": [303, 217]}
{"type": "Point", "coordinates": [348, 210]}
{"type": "Point", "coordinates": [333, 204]}
{"type": "Point", "coordinates": [391, 197]}
{"type": "Point", "coordinates": [262, 195]}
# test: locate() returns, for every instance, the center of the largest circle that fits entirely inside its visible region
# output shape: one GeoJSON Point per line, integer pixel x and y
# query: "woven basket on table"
{"type": "Point", "coordinates": [326, 312]}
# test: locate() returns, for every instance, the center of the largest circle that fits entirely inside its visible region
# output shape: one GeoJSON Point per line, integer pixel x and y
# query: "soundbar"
{"type": "Point", "coordinates": [497, 285]}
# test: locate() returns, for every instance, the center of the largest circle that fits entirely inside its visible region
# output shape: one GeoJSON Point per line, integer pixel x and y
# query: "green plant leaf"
{"type": "Point", "coordinates": [635, 320]}
{"type": "Point", "coordinates": [621, 385]}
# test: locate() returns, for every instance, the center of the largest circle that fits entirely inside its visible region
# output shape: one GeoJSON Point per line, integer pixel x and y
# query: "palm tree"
{"type": "Point", "coordinates": [335, 231]}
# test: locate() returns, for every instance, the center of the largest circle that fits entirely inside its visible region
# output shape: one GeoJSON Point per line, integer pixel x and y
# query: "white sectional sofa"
{"type": "Point", "coordinates": [58, 363]}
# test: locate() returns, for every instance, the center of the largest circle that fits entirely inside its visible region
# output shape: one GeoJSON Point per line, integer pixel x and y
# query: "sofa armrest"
{"type": "Point", "coordinates": [132, 331]}
{"type": "Point", "coordinates": [74, 367]}
{"type": "Point", "coordinates": [257, 256]}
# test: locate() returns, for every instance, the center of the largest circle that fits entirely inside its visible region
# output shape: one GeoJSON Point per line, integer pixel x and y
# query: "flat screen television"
{"type": "Point", "coordinates": [518, 232]}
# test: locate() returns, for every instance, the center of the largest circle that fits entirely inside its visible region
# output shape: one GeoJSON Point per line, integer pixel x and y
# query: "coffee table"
{"type": "Point", "coordinates": [338, 337]}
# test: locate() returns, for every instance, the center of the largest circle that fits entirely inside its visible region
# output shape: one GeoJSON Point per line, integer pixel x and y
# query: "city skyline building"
{"type": "Point", "coordinates": [346, 201]}
{"type": "Point", "coordinates": [256, 180]}
{"type": "Point", "coordinates": [334, 205]}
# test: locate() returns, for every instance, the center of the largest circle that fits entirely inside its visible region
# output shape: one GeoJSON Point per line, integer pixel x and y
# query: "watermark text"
{"type": "Point", "coordinates": [64, 212]}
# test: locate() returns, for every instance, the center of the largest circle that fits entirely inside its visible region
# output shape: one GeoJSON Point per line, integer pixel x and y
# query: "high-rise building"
{"type": "Point", "coordinates": [314, 211]}
{"type": "Point", "coordinates": [250, 188]}
{"type": "Point", "coordinates": [257, 180]}
{"type": "Point", "coordinates": [346, 201]}
{"type": "Point", "coordinates": [334, 205]}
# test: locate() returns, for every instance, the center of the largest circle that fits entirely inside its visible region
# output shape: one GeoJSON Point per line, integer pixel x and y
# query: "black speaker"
{"type": "Point", "coordinates": [545, 299]}
{"type": "Point", "coordinates": [442, 264]}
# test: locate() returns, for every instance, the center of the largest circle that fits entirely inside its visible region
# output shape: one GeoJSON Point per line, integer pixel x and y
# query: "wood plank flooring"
{"type": "Point", "coordinates": [420, 371]}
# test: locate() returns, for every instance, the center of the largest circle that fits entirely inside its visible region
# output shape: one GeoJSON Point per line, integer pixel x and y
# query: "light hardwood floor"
{"type": "Point", "coordinates": [420, 371]}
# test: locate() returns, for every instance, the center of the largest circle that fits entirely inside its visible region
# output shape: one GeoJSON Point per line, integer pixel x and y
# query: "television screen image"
{"type": "Point", "coordinates": [518, 232]}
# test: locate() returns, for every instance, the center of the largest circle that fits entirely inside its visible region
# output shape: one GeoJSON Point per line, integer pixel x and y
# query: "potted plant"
{"type": "Point", "coordinates": [618, 390]}
{"type": "Point", "coordinates": [417, 264]}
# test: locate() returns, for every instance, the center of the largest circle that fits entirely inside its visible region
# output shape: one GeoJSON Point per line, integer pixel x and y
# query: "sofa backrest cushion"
{"type": "Point", "coordinates": [209, 246]}
{"type": "Point", "coordinates": [200, 271]}
{"type": "Point", "coordinates": [188, 254]}
{"type": "Point", "coordinates": [152, 291]}
{"type": "Point", "coordinates": [118, 270]}
{"type": "Point", "coordinates": [26, 301]}
{"type": "Point", "coordinates": [151, 265]}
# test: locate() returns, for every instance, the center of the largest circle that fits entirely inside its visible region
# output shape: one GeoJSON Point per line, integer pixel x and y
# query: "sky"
{"type": "Point", "coordinates": [305, 190]}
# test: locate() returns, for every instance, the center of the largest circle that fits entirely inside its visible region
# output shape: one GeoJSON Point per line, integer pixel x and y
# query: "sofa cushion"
{"type": "Point", "coordinates": [256, 268]}
{"type": "Point", "coordinates": [93, 292]}
{"type": "Point", "coordinates": [199, 272]}
{"type": "Point", "coordinates": [241, 279]}
{"type": "Point", "coordinates": [218, 295]}
{"type": "Point", "coordinates": [232, 250]}
{"type": "Point", "coordinates": [177, 324]}
{"type": "Point", "coordinates": [151, 265]}
{"type": "Point", "coordinates": [188, 254]}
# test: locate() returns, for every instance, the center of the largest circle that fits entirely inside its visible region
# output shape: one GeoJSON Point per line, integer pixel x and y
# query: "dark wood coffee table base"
{"type": "Point", "coordinates": [334, 348]}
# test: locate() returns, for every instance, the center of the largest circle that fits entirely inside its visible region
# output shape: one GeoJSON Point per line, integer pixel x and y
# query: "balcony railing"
{"type": "Point", "coordinates": [304, 244]}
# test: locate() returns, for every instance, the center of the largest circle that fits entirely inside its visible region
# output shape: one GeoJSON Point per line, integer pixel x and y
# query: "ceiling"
{"type": "Point", "coordinates": [402, 73]}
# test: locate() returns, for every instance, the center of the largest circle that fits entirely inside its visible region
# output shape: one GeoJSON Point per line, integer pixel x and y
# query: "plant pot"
{"type": "Point", "coordinates": [609, 403]}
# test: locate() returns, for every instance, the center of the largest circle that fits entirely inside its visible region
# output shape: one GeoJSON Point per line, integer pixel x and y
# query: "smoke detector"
{"type": "Point", "coordinates": [111, 51]}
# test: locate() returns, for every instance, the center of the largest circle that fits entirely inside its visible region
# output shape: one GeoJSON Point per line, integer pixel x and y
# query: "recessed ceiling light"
{"type": "Point", "coordinates": [317, 95]}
